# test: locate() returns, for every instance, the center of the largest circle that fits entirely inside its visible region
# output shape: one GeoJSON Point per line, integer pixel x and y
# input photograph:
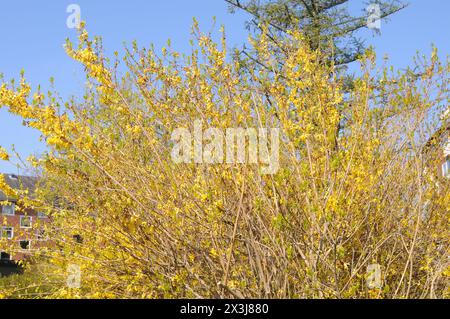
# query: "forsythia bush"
{"type": "Point", "coordinates": [357, 182]}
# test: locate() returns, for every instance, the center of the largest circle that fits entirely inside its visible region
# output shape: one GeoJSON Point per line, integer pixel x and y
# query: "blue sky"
{"type": "Point", "coordinates": [33, 33]}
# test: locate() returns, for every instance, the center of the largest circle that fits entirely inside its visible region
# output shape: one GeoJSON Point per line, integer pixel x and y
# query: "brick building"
{"type": "Point", "coordinates": [437, 149]}
{"type": "Point", "coordinates": [21, 230]}
{"type": "Point", "coordinates": [445, 165]}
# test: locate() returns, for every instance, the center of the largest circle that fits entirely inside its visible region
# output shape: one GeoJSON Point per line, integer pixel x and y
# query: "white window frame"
{"type": "Point", "coordinates": [3, 228]}
{"type": "Point", "coordinates": [41, 215]}
{"type": "Point", "coordinates": [31, 221]}
{"type": "Point", "coordinates": [29, 244]}
{"type": "Point", "coordinates": [13, 206]}
{"type": "Point", "coordinates": [446, 167]}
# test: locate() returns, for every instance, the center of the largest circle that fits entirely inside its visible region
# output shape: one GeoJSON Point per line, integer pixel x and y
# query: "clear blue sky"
{"type": "Point", "coordinates": [34, 31]}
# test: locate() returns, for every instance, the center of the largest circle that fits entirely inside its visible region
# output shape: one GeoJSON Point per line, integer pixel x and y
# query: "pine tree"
{"type": "Point", "coordinates": [327, 23]}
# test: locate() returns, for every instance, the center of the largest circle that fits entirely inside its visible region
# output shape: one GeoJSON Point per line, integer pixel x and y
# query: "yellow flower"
{"type": "Point", "coordinates": [4, 156]}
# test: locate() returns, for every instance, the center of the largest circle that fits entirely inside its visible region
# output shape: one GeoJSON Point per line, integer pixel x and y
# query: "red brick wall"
{"type": "Point", "coordinates": [30, 234]}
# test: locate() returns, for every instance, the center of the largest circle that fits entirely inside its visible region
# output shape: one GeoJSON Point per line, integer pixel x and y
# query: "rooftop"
{"type": "Point", "coordinates": [19, 182]}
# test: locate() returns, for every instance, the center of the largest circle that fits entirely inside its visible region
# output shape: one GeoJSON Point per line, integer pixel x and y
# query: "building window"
{"type": "Point", "coordinates": [7, 232]}
{"type": "Point", "coordinates": [4, 256]}
{"type": "Point", "coordinates": [41, 235]}
{"type": "Point", "coordinates": [446, 167]}
{"type": "Point", "coordinates": [9, 209]}
{"type": "Point", "coordinates": [78, 239]}
{"type": "Point", "coordinates": [41, 215]}
{"type": "Point", "coordinates": [24, 244]}
{"type": "Point", "coordinates": [25, 222]}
